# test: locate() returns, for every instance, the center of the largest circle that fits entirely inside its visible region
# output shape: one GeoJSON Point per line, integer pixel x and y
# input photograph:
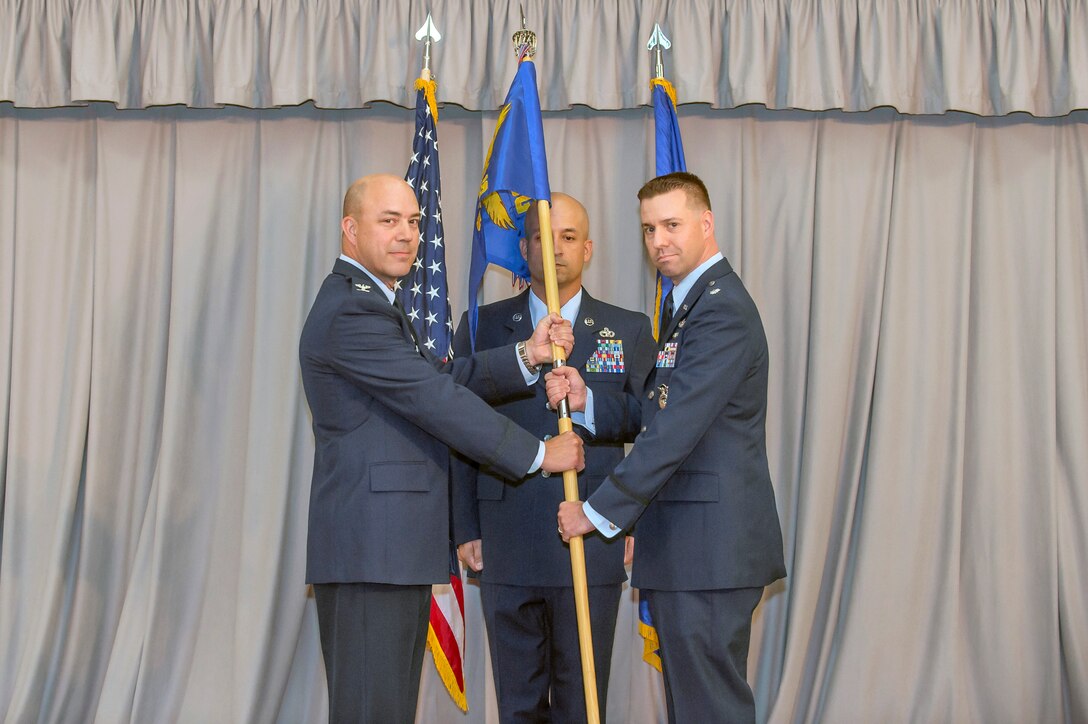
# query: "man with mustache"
{"type": "Point", "coordinates": [506, 530]}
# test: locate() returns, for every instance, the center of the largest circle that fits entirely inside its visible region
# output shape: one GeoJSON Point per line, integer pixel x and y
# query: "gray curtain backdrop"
{"type": "Point", "coordinates": [923, 281]}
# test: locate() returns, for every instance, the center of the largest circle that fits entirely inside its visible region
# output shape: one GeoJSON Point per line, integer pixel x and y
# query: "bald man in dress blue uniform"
{"type": "Point", "coordinates": [506, 529]}
{"type": "Point", "coordinates": [697, 480]}
{"type": "Point", "coordinates": [385, 416]}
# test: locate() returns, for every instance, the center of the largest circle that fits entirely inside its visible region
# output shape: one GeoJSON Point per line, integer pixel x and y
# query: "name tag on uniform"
{"type": "Point", "coordinates": [608, 357]}
{"type": "Point", "coordinates": [667, 357]}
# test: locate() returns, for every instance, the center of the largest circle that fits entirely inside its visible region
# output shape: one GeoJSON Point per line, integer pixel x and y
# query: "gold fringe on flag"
{"type": "Point", "coordinates": [657, 311]}
{"type": "Point", "coordinates": [445, 670]}
{"type": "Point", "coordinates": [650, 645]}
{"type": "Point", "coordinates": [661, 82]}
{"type": "Point", "coordinates": [430, 87]}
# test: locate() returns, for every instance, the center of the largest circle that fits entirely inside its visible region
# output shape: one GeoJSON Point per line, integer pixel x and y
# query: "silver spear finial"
{"type": "Point", "coordinates": [657, 42]}
{"type": "Point", "coordinates": [428, 34]}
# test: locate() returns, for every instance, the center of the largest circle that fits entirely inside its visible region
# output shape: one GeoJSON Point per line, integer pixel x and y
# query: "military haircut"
{"type": "Point", "coordinates": [689, 183]}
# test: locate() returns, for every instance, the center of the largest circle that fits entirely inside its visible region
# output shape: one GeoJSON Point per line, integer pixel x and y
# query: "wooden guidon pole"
{"type": "Point", "coordinates": [570, 481]}
{"type": "Point", "coordinates": [525, 49]}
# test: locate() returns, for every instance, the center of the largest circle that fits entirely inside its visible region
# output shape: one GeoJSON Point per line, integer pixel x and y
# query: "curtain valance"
{"type": "Point", "coordinates": [920, 57]}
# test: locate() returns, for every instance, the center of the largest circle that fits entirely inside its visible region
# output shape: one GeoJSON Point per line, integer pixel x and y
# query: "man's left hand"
{"type": "Point", "coordinates": [565, 383]}
{"type": "Point", "coordinates": [552, 328]}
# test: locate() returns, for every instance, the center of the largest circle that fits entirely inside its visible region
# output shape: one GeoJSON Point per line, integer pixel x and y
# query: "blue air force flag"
{"type": "Point", "coordinates": [515, 174]}
{"type": "Point", "coordinates": [669, 157]}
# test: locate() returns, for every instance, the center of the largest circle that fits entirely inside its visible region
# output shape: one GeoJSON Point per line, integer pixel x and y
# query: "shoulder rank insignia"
{"type": "Point", "coordinates": [360, 287]}
{"type": "Point", "coordinates": [715, 291]}
{"type": "Point", "coordinates": [608, 357]}
{"type": "Point", "coordinates": [666, 356]}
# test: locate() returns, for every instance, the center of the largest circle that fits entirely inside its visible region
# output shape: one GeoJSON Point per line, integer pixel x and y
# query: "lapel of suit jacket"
{"type": "Point", "coordinates": [362, 282]}
{"type": "Point", "coordinates": [519, 323]}
{"type": "Point", "coordinates": [407, 326]}
{"type": "Point", "coordinates": [586, 328]}
{"type": "Point", "coordinates": [585, 335]}
{"type": "Point", "coordinates": [714, 272]}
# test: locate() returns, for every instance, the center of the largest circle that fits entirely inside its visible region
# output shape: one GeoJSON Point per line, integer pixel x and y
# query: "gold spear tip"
{"type": "Point", "coordinates": [524, 41]}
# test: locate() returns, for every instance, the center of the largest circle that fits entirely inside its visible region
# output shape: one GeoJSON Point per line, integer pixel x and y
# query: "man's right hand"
{"type": "Point", "coordinates": [471, 554]}
{"type": "Point", "coordinates": [553, 329]}
{"type": "Point", "coordinates": [563, 452]}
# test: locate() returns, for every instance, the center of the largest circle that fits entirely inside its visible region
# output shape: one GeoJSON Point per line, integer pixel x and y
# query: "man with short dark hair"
{"type": "Point", "coordinates": [697, 479]}
{"type": "Point", "coordinates": [385, 415]}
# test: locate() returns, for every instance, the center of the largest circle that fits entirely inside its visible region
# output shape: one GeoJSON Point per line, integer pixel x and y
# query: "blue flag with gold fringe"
{"type": "Point", "coordinates": [515, 175]}
{"type": "Point", "coordinates": [669, 157]}
{"type": "Point", "coordinates": [651, 646]}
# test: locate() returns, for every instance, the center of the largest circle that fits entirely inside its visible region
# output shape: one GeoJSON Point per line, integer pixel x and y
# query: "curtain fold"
{"type": "Point", "coordinates": [921, 57]}
{"type": "Point", "coordinates": [1070, 502]}
{"type": "Point", "coordinates": [47, 408]}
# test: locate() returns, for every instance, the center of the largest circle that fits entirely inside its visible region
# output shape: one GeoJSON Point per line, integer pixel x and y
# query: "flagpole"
{"type": "Point", "coordinates": [525, 48]}
{"type": "Point", "coordinates": [430, 318]}
{"type": "Point", "coordinates": [657, 42]}
{"type": "Point", "coordinates": [427, 34]}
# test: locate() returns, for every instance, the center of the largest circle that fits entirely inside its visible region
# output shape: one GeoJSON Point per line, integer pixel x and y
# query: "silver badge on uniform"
{"type": "Point", "coordinates": [588, 321]}
{"type": "Point", "coordinates": [662, 395]}
{"type": "Point", "coordinates": [359, 286]}
{"type": "Point", "coordinates": [517, 316]}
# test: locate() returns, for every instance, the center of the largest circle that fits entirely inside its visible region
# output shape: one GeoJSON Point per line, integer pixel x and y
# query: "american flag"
{"type": "Point", "coordinates": [425, 297]}
{"type": "Point", "coordinates": [424, 293]}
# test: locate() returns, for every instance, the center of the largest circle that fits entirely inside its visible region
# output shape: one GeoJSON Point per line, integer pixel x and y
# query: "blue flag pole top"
{"type": "Point", "coordinates": [668, 147]}
{"type": "Point", "coordinates": [668, 158]}
{"type": "Point", "coordinates": [515, 175]}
